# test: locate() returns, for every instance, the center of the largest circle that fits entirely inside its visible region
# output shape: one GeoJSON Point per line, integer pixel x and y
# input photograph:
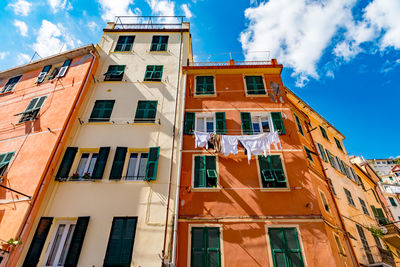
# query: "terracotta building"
{"type": "Point", "coordinates": [37, 100]}
{"type": "Point", "coordinates": [273, 210]}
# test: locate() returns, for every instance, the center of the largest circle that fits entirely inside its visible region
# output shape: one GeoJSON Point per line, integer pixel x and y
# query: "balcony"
{"type": "Point", "coordinates": [230, 63]}
{"type": "Point", "coordinates": [148, 23]}
{"type": "Point", "coordinates": [393, 235]}
{"type": "Point", "coordinates": [386, 257]}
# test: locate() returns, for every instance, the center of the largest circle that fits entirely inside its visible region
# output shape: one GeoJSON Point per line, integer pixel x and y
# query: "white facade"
{"type": "Point", "coordinates": [105, 199]}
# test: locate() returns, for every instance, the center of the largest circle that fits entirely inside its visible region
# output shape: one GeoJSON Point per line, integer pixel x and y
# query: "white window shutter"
{"type": "Point", "coordinates": [41, 77]}
{"type": "Point", "coordinates": [62, 72]}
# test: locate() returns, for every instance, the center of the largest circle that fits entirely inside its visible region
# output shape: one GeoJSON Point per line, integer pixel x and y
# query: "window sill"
{"type": "Point", "coordinates": [206, 189]}
{"type": "Point", "coordinates": [159, 52]}
{"type": "Point", "coordinates": [122, 52]}
{"type": "Point", "coordinates": [112, 81]}
{"type": "Point", "coordinates": [98, 123]}
{"type": "Point", "coordinates": [283, 189]}
{"type": "Point", "coordinates": [256, 95]}
{"type": "Point", "coordinates": [143, 123]}
{"type": "Point", "coordinates": [204, 95]}
{"type": "Point", "coordinates": [152, 82]}
{"type": "Point", "coordinates": [6, 93]}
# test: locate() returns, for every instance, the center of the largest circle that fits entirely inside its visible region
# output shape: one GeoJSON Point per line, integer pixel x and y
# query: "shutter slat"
{"type": "Point", "coordinates": [247, 127]}
{"type": "Point", "coordinates": [278, 122]}
{"type": "Point", "coordinates": [118, 164]}
{"type": "Point", "coordinates": [36, 247]}
{"type": "Point", "coordinates": [152, 163]}
{"type": "Point", "coordinates": [66, 162]}
{"type": "Point", "coordinates": [189, 123]}
{"type": "Point", "coordinates": [220, 122]}
{"type": "Point", "coordinates": [100, 163]}
{"type": "Point", "coordinates": [200, 171]}
{"type": "Point", "coordinates": [75, 247]}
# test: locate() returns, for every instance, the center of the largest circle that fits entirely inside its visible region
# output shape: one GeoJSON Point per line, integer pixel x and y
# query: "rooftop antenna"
{"type": "Point", "coordinates": [34, 54]}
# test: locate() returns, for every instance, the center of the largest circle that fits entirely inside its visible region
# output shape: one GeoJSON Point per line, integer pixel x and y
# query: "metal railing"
{"type": "Point", "coordinates": [229, 63]}
{"type": "Point", "coordinates": [148, 22]}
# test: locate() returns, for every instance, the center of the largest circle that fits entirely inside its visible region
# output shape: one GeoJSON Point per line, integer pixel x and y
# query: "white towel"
{"type": "Point", "coordinates": [229, 144]}
{"type": "Point", "coordinates": [201, 139]}
{"type": "Point", "coordinates": [255, 144]}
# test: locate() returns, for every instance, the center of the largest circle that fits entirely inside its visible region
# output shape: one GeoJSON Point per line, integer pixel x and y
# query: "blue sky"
{"type": "Point", "coordinates": [340, 56]}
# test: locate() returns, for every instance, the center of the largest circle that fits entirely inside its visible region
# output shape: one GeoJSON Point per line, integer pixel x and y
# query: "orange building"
{"type": "Point", "coordinates": [37, 102]}
{"type": "Point", "coordinates": [269, 211]}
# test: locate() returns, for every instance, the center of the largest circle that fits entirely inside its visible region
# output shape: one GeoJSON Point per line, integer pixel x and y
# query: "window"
{"type": "Point", "coordinates": [32, 109]}
{"type": "Point", "coordinates": [271, 172]}
{"type": "Point", "coordinates": [324, 201]}
{"type": "Point", "coordinates": [124, 43]}
{"type": "Point", "coordinates": [153, 73]}
{"type": "Point", "coordinates": [205, 123]}
{"type": "Point", "coordinates": [137, 166]}
{"type": "Point", "coordinates": [349, 197]}
{"type": "Point", "coordinates": [86, 165]}
{"type": "Point", "coordinates": [299, 127]}
{"type": "Point", "coordinates": [364, 242]}
{"type": "Point", "coordinates": [323, 132]}
{"type": "Point", "coordinates": [392, 202]}
{"type": "Point", "coordinates": [10, 84]}
{"type": "Point", "coordinates": [43, 74]}
{"type": "Point", "coordinates": [363, 206]}
{"type": "Point", "coordinates": [120, 243]}
{"type": "Point", "coordinates": [205, 247]}
{"type": "Point", "coordinates": [259, 123]}
{"type": "Point", "coordinates": [255, 85]}
{"type": "Point", "coordinates": [64, 68]}
{"type": "Point", "coordinates": [331, 159]}
{"type": "Point", "coordinates": [114, 73]}
{"type": "Point", "coordinates": [379, 215]}
{"type": "Point", "coordinates": [102, 111]}
{"type": "Point", "coordinates": [5, 160]}
{"type": "Point", "coordinates": [159, 43]}
{"type": "Point", "coordinates": [205, 172]}
{"type": "Point", "coordinates": [339, 245]}
{"type": "Point", "coordinates": [362, 184]}
{"type": "Point", "coordinates": [338, 144]}
{"type": "Point", "coordinates": [321, 152]}
{"type": "Point", "coordinates": [205, 85]}
{"type": "Point", "coordinates": [331, 184]}
{"type": "Point", "coordinates": [59, 244]}
{"type": "Point", "coordinates": [308, 154]}
{"type": "Point", "coordinates": [285, 247]}
{"type": "Point", "coordinates": [146, 111]}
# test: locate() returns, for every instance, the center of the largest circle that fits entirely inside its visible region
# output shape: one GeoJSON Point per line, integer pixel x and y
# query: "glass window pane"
{"type": "Point", "coordinates": [82, 163]}
{"type": "Point", "coordinates": [142, 166]}
{"type": "Point", "coordinates": [67, 242]}
{"type": "Point", "coordinates": [210, 125]}
{"type": "Point", "coordinates": [280, 259]}
{"type": "Point", "coordinates": [265, 125]}
{"type": "Point", "coordinates": [56, 244]}
{"type": "Point", "coordinates": [130, 174]}
{"type": "Point", "coordinates": [276, 238]}
{"type": "Point", "coordinates": [256, 127]}
{"type": "Point", "coordinates": [92, 163]}
{"type": "Point", "coordinates": [200, 125]}
{"type": "Point", "coordinates": [291, 238]}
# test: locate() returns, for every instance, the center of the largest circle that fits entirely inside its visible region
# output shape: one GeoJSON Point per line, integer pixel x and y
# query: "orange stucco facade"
{"type": "Point", "coordinates": [37, 143]}
{"type": "Point", "coordinates": [240, 206]}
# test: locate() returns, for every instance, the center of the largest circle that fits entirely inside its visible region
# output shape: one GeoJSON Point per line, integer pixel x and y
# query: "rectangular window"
{"type": "Point", "coordinates": [5, 160]}
{"type": "Point", "coordinates": [153, 73]}
{"type": "Point", "coordinates": [124, 43]}
{"type": "Point", "coordinates": [64, 68]}
{"type": "Point", "coordinates": [323, 132]}
{"type": "Point", "coordinates": [32, 110]}
{"type": "Point", "coordinates": [331, 159]}
{"type": "Point", "coordinates": [321, 152]}
{"type": "Point", "coordinates": [120, 243]}
{"type": "Point", "coordinates": [159, 43]}
{"type": "Point", "coordinates": [137, 166]}
{"type": "Point", "coordinates": [59, 245]}
{"type": "Point", "coordinates": [255, 85]}
{"type": "Point", "coordinates": [43, 74]}
{"type": "Point", "coordinates": [146, 111]}
{"type": "Point", "coordinates": [205, 122]}
{"type": "Point", "coordinates": [309, 154]}
{"type": "Point", "coordinates": [392, 202]}
{"type": "Point", "coordinates": [339, 244]}
{"type": "Point", "coordinates": [10, 84]}
{"type": "Point", "coordinates": [271, 172]}
{"type": "Point", "coordinates": [299, 127]}
{"type": "Point", "coordinates": [338, 144]}
{"type": "Point", "coordinates": [349, 197]}
{"type": "Point", "coordinates": [102, 111]}
{"type": "Point", "coordinates": [324, 201]}
{"type": "Point", "coordinates": [114, 73]}
{"type": "Point", "coordinates": [205, 247]}
{"type": "Point", "coordinates": [205, 172]}
{"type": "Point", "coordinates": [363, 206]}
{"type": "Point", "coordinates": [261, 123]}
{"type": "Point", "coordinates": [361, 183]}
{"type": "Point", "coordinates": [86, 166]}
{"type": "Point", "coordinates": [285, 247]}
{"type": "Point", "coordinates": [255, 123]}
{"type": "Point", "coordinates": [364, 242]}
{"type": "Point", "coordinates": [205, 85]}
{"type": "Point", "coordinates": [331, 184]}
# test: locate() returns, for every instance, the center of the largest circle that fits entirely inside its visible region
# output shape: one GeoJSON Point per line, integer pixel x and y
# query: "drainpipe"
{"type": "Point", "coordinates": [60, 139]}
{"type": "Point", "coordinates": [346, 234]}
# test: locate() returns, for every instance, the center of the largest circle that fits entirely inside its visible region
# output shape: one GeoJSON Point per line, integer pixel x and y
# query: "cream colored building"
{"type": "Point", "coordinates": [107, 205]}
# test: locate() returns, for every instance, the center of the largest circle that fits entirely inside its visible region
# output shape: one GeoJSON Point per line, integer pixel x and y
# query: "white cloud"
{"type": "Point", "coordinates": [58, 5]}
{"type": "Point", "coordinates": [3, 55]}
{"type": "Point", "coordinates": [23, 28]}
{"type": "Point", "coordinates": [93, 26]}
{"type": "Point", "coordinates": [52, 39]}
{"type": "Point", "coordinates": [163, 8]}
{"type": "Point", "coordinates": [112, 8]}
{"type": "Point", "coordinates": [21, 7]}
{"type": "Point", "coordinates": [186, 11]}
{"type": "Point", "coordinates": [390, 65]}
{"type": "Point", "coordinates": [23, 58]}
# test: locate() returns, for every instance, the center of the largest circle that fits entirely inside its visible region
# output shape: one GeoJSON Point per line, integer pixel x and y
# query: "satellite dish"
{"type": "Point", "coordinates": [276, 88]}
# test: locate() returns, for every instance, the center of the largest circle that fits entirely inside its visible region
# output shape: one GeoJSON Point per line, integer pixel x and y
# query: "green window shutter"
{"type": "Point", "coordinates": [36, 247]}
{"type": "Point", "coordinates": [299, 127]}
{"type": "Point", "coordinates": [330, 158]}
{"type": "Point", "coordinates": [213, 247]}
{"type": "Point", "coordinates": [102, 111]}
{"type": "Point", "coordinates": [293, 247]}
{"type": "Point", "coordinates": [101, 162]}
{"type": "Point", "coordinates": [10, 84]}
{"type": "Point", "coordinates": [66, 162]}
{"type": "Point", "coordinates": [266, 169]}
{"type": "Point", "coordinates": [285, 247]}
{"type": "Point", "coordinates": [204, 85]}
{"type": "Point", "coordinates": [120, 242]}
{"type": "Point", "coordinates": [211, 171]}
{"type": "Point", "coordinates": [220, 122]}
{"type": "Point", "coordinates": [392, 202]}
{"type": "Point", "coordinates": [75, 247]}
{"type": "Point", "coordinates": [32, 109]}
{"type": "Point", "coordinates": [114, 73]}
{"type": "Point", "coordinates": [152, 163]}
{"type": "Point", "coordinates": [200, 171]}
{"type": "Point", "coordinates": [278, 122]}
{"type": "Point", "coordinates": [271, 171]}
{"type": "Point", "coordinates": [189, 123]}
{"type": "Point", "coordinates": [374, 211]}
{"type": "Point", "coordinates": [338, 144]}
{"type": "Point", "coordinates": [198, 247]}
{"type": "Point", "coordinates": [205, 247]}
{"type": "Point", "coordinates": [5, 159]}
{"type": "Point", "coordinates": [323, 132]}
{"type": "Point", "coordinates": [118, 164]}
{"type": "Point", "coordinates": [124, 43]}
{"type": "Point", "coordinates": [153, 73]}
{"type": "Point", "coordinates": [247, 126]}
{"type": "Point", "coordinates": [159, 43]}
{"type": "Point", "coordinates": [322, 152]}
{"type": "Point", "coordinates": [146, 111]}
{"type": "Point", "coordinates": [255, 85]}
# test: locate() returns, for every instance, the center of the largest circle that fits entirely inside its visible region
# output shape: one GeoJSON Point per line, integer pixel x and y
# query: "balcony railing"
{"type": "Point", "coordinates": [229, 63]}
{"type": "Point", "coordinates": [393, 235]}
{"type": "Point", "coordinates": [149, 22]}
{"type": "Point", "coordinates": [386, 256]}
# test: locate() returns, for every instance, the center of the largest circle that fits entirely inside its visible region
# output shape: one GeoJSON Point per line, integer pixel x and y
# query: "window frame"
{"type": "Point", "coordinates": [392, 202]}
{"type": "Point", "coordinates": [34, 111]}
{"type": "Point", "coordinates": [338, 144]}
{"type": "Point", "coordinates": [267, 189]}
{"type": "Point", "coordinates": [124, 44]}
{"type": "Point", "coordinates": [5, 89]}
{"type": "Point", "coordinates": [126, 165]}
{"type": "Point", "coordinates": [325, 202]}
{"type": "Point", "coordinates": [255, 95]}
{"type": "Point", "coordinates": [116, 78]}
{"type": "Point", "coordinates": [299, 238]}
{"type": "Point", "coordinates": [309, 154]}
{"type": "Point", "coordinates": [104, 119]}
{"type": "Point", "coordinates": [146, 120]}
{"type": "Point", "coordinates": [159, 44]}
{"type": "Point", "coordinates": [364, 206]}
{"type": "Point", "coordinates": [87, 165]}
{"type": "Point", "coordinates": [323, 132]}
{"type": "Point", "coordinates": [339, 244]}
{"type": "Point", "coordinates": [206, 189]}
{"type": "Point", "coordinates": [205, 95]}
{"type": "Point", "coordinates": [204, 116]}
{"type": "Point", "coordinates": [299, 125]}
{"type": "Point", "coordinates": [151, 79]}
{"type": "Point", "coordinates": [349, 197]}
{"type": "Point", "coordinates": [259, 116]}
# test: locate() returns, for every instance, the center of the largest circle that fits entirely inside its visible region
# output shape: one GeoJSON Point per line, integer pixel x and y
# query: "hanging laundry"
{"type": "Point", "coordinates": [274, 139]}
{"type": "Point", "coordinates": [255, 144]}
{"type": "Point", "coordinates": [201, 139]}
{"type": "Point", "coordinates": [215, 140]}
{"type": "Point", "coordinates": [229, 144]}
